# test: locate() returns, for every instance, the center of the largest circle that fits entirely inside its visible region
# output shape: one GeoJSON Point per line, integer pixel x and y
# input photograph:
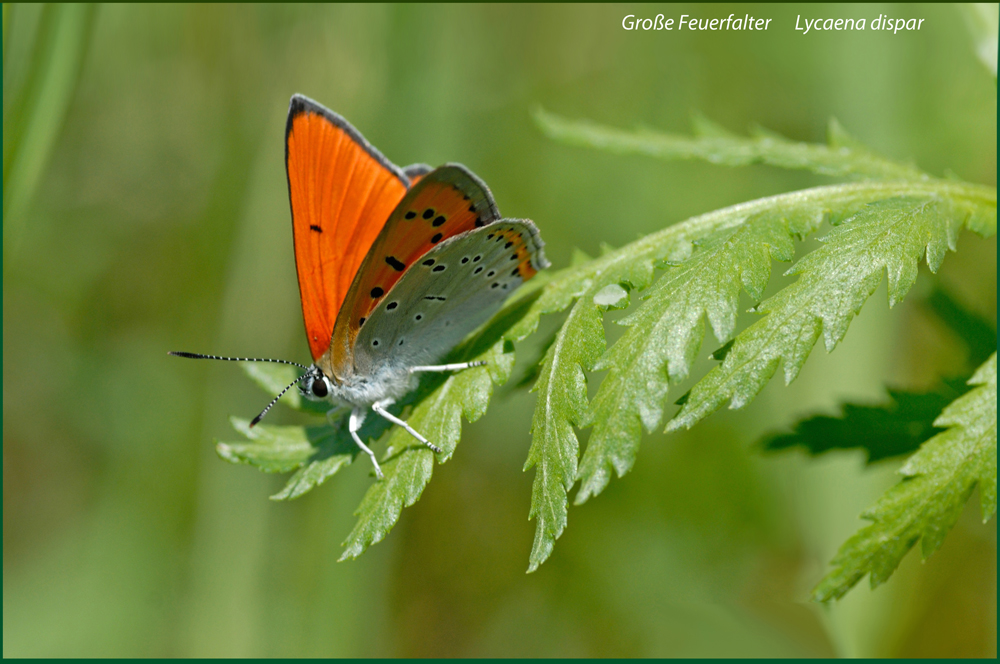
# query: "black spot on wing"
{"type": "Point", "coordinates": [395, 263]}
{"type": "Point", "coordinates": [314, 227]}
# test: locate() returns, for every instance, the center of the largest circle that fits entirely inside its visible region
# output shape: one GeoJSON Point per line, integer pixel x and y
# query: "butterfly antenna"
{"type": "Point", "coordinates": [275, 400]}
{"type": "Point", "coordinates": [199, 356]}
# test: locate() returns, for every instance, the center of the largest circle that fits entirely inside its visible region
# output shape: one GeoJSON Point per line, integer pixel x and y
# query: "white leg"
{"type": "Point", "coordinates": [379, 407]}
{"type": "Point", "coordinates": [357, 419]}
{"type": "Point", "coordinates": [449, 367]}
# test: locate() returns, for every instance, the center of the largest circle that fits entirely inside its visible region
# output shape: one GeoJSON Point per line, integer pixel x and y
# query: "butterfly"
{"type": "Point", "coordinates": [395, 265]}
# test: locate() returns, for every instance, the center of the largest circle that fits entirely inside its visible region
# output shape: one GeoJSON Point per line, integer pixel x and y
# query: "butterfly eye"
{"type": "Point", "coordinates": [319, 387]}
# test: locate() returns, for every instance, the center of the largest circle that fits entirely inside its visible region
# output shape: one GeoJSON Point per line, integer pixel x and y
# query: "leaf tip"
{"type": "Point", "coordinates": [225, 452]}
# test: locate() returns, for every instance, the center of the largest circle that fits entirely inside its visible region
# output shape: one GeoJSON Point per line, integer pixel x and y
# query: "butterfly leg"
{"type": "Point", "coordinates": [379, 407]}
{"type": "Point", "coordinates": [357, 419]}
{"type": "Point", "coordinates": [449, 367]}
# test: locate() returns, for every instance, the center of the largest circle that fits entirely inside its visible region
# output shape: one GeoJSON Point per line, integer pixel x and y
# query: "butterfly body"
{"type": "Point", "coordinates": [359, 390]}
{"type": "Point", "coordinates": [395, 266]}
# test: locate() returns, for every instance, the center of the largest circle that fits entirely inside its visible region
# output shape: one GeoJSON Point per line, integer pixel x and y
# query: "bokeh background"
{"type": "Point", "coordinates": [145, 210]}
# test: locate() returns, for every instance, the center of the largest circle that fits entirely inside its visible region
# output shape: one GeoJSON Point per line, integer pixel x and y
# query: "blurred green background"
{"type": "Point", "coordinates": [146, 210]}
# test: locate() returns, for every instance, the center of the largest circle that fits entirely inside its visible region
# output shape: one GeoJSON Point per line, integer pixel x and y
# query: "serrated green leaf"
{"type": "Point", "coordinates": [899, 426]}
{"type": "Point", "coordinates": [562, 404]}
{"type": "Point", "coordinates": [310, 476]}
{"type": "Point", "coordinates": [882, 431]}
{"type": "Point", "coordinates": [673, 244]}
{"type": "Point", "coordinates": [975, 414]}
{"type": "Point", "coordinates": [314, 452]}
{"type": "Point", "coordinates": [665, 335]}
{"type": "Point", "coordinates": [554, 441]}
{"type": "Point", "coordinates": [718, 146]}
{"type": "Point", "coordinates": [273, 449]}
{"type": "Point", "coordinates": [561, 384]}
{"type": "Point", "coordinates": [924, 506]}
{"type": "Point", "coordinates": [890, 235]}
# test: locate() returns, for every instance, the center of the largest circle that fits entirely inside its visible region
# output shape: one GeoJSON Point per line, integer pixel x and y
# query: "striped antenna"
{"type": "Point", "coordinates": [275, 400]}
{"type": "Point", "coordinates": [199, 356]}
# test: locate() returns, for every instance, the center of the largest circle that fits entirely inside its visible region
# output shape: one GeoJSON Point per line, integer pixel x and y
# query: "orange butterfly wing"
{"type": "Point", "coordinates": [342, 191]}
{"type": "Point", "coordinates": [445, 202]}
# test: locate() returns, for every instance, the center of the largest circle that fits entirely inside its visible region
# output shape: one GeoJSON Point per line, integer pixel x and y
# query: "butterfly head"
{"type": "Point", "coordinates": [314, 385]}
